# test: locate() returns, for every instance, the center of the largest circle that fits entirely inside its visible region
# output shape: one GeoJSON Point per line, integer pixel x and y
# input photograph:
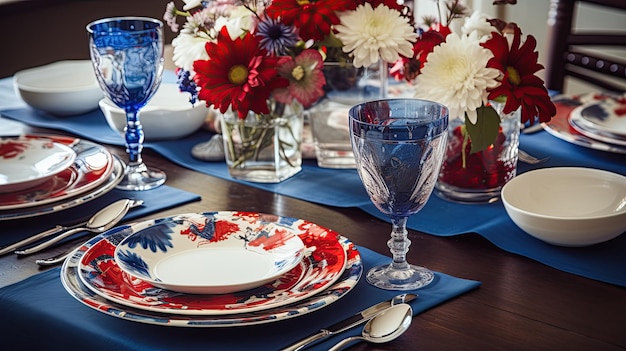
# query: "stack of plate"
{"type": "Point", "coordinates": [593, 120]}
{"type": "Point", "coordinates": [213, 269]}
{"type": "Point", "coordinates": [41, 174]}
{"type": "Point", "coordinates": [604, 121]}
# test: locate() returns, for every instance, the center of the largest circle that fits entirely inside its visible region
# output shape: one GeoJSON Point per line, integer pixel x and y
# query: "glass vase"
{"type": "Point", "coordinates": [479, 177]}
{"type": "Point", "coordinates": [264, 148]}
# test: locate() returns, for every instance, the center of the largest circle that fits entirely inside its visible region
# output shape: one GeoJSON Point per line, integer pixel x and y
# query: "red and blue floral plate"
{"type": "Point", "coordinates": [331, 268]}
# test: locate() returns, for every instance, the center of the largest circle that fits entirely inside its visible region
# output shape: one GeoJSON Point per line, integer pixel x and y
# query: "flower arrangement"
{"type": "Point", "coordinates": [464, 67]}
{"type": "Point", "coordinates": [260, 57]}
{"type": "Point", "coordinates": [240, 53]}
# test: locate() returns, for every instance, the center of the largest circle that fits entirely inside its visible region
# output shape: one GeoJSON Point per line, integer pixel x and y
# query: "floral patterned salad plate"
{"type": "Point", "coordinates": [214, 253]}
{"type": "Point", "coordinates": [90, 169]}
{"type": "Point", "coordinates": [30, 162]}
{"type": "Point", "coordinates": [112, 292]}
{"type": "Point", "coordinates": [607, 115]}
{"type": "Point", "coordinates": [325, 259]}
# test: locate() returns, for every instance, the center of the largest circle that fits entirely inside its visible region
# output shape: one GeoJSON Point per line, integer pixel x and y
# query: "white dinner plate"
{"type": "Point", "coordinates": [75, 287]}
{"type": "Point", "coordinates": [608, 115]}
{"type": "Point", "coordinates": [26, 162]}
{"type": "Point", "coordinates": [211, 253]}
{"type": "Point", "coordinates": [115, 177]}
{"type": "Point", "coordinates": [323, 264]}
{"type": "Point", "coordinates": [91, 168]}
{"type": "Point", "coordinates": [577, 122]}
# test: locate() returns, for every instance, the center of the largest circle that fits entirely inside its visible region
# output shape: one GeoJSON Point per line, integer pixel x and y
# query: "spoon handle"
{"type": "Point", "coordinates": [338, 346]}
{"type": "Point", "coordinates": [50, 242]}
{"type": "Point", "coordinates": [51, 261]}
{"type": "Point", "coordinates": [31, 239]}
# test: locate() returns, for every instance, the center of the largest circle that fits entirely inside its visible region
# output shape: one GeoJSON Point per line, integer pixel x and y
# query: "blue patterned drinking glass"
{"type": "Point", "coordinates": [398, 147]}
{"type": "Point", "coordinates": [127, 56]}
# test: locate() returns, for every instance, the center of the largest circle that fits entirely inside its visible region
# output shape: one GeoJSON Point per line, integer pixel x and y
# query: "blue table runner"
{"type": "Point", "coordinates": [342, 188]}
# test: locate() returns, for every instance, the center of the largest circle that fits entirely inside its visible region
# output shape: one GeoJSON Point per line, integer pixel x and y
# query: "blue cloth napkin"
{"type": "Point", "coordinates": [40, 305]}
{"type": "Point", "coordinates": [155, 200]}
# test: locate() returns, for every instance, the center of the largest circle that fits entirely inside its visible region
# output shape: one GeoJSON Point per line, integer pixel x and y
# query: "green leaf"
{"type": "Point", "coordinates": [485, 131]}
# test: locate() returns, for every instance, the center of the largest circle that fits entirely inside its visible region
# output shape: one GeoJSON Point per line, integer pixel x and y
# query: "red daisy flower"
{"type": "Point", "coordinates": [519, 83]}
{"type": "Point", "coordinates": [238, 74]}
{"type": "Point", "coordinates": [306, 78]}
{"type": "Point", "coordinates": [313, 18]}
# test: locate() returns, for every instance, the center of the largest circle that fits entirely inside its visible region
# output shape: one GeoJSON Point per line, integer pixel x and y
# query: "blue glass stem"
{"type": "Point", "coordinates": [399, 243]}
{"type": "Point", "coordinates": [134, 137]}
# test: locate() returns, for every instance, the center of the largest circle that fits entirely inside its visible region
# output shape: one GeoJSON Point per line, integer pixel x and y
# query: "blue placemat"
{"type": "Point", "coordinates": [40, 305]}
{"type": "Point", "coordinates": [343, 188]}
{"type": "Point", "coordinates": [155, 200]}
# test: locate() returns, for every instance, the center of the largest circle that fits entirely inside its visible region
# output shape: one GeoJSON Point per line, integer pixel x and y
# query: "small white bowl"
{"type": "Point", "coordinates": [568, 206]}
{"type": "Point", "coordinates": [62, 88]}
{"type": "Point", "coordinates": [168, 115]}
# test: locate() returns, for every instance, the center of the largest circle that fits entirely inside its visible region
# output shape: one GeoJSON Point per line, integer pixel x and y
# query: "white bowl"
{"type": "Point", "coordinates": [168, 115]}
{"type": "Point", "coordinates": [568, 206]}
{"type": "Point", "coordinates": [62, 88]}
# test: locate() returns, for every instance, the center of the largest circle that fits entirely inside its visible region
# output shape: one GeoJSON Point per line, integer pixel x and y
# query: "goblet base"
{"type": "Point", "coordinates": [139, 177]}
{"type": "Point", "coordinates": [411, 278]}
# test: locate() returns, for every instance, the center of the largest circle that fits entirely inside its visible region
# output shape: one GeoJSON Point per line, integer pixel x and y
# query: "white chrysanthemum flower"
{"type": "Point", "coordinates": [478, 23]}
{"type": "Point", "coordinates": [238, 22]}
{"type": "Point", "coordinates": [456, 75]}
{"type": "Point", "coordinates": [190, 4]}
{"type": "Point", "coordinates": [189, 48]}
{"type": "Point", "coordinates": [373, 34]}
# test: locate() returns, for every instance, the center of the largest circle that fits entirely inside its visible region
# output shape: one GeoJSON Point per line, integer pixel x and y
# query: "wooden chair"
{"type": "Point", "coordinates": [567, 49]}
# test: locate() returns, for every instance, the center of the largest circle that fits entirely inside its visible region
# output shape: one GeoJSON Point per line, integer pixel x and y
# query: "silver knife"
{"type": "Point", "coordinates": [350, 322]}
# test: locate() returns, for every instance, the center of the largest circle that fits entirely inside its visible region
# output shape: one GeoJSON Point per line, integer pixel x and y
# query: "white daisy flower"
{"type": "Point", "coordinates": [456, 75]}
{"type": "Point", "coordinates": [189, 48]}
{"type": "Point", "coordinates": [478, 23]}
{"type": "Point", "coordinates": [373, 34]}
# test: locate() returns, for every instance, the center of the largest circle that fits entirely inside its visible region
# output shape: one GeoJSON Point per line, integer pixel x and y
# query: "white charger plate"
{"type": "Point", "coordinates": [30, 162]}
{"type": "Point", "coordinates": [323, 264]}
{"type": "Point", "coordinates": [211, 253]}
{"type": "Point", "coordinates": [91, 169]}
{"type": "Point", "coordinates": [77, 289]}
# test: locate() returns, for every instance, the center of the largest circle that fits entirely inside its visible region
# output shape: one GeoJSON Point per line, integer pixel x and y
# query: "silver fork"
{"type": "Point", "coordinates": [527, 158]}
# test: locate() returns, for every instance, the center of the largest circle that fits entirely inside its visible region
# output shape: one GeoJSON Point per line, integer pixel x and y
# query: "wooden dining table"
{"type": "Point", "coordinates": [521, 304]}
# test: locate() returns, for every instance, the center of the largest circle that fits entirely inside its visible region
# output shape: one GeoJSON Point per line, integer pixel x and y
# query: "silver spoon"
{"type": "Point", "coordinates": [384, 327]}
{"type": "Point", "coordinates": [102, 221]}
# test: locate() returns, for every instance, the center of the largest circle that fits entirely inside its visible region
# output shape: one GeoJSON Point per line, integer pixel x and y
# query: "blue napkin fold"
{"type": "Point", "coordinates": [40, 305]}
{"type": "Point", "coordinates": [157, 199]}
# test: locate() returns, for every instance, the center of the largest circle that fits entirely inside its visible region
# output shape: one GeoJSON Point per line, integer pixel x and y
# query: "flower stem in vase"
{"type": "Point", "coordinates": [384, 78]}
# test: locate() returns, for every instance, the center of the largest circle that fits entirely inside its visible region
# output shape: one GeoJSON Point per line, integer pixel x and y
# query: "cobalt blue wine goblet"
{"type": "Point", "coordinates": [398, 147]}
{"type": "Point", "coordinates": [127, 56]}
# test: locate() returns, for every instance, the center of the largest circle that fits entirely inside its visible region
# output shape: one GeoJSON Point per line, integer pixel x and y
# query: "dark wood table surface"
{"type": "Point", "coordinates": [521, 305]}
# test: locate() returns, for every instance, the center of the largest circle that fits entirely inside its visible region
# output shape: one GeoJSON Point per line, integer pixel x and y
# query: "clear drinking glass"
{"type": "Point", "coordinates": [127, 56]}
{"type": "Point", "coordinates": [399, 146]}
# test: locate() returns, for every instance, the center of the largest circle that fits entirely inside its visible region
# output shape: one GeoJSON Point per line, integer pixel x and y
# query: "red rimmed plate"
{"type": "Point", "coordinates": [324, 262]}
{"type": "Point", "coordinates": [27, 162]}
{"type": "Point", "coordinates": [91, 168]}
